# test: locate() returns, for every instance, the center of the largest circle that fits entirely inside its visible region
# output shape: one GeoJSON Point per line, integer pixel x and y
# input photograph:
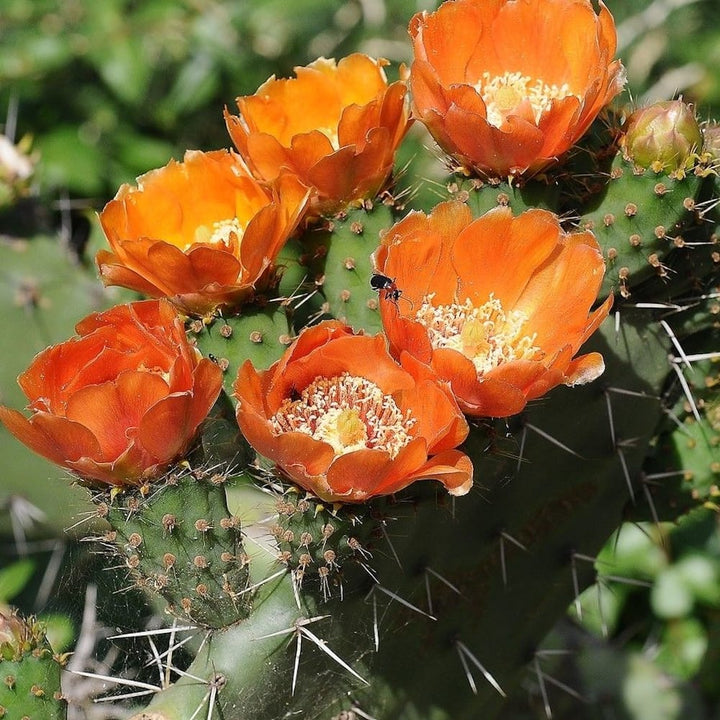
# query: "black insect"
{"type": "Point", "coordinates": [386, 285]}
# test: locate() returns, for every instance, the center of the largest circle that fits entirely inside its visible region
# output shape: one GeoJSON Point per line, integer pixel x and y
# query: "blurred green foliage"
{"type": "Point", "coordinates": [645, 639]}
{"type": "Point", "coordinates": [112, 89]}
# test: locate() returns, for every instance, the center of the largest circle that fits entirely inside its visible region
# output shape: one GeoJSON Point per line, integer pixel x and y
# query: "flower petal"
{"type": "Point", "coordinates": [113, 411]}
{"type": "Point", "coordinates": [480, 397]}
{"type": "Point", "coordinates": [437, 414]}
{"type": "Point", "coordinates": [335, 125]}
{"type": "Point", "coordinates": [56, 439]}
{"type": "Point", "coordinates": [556, 58]}
{"type": "Point", "coordinates": [357, 476]}
{"type": "Point", "coordinates": [584, 369]}
{"type": "Point", "coordinates": [180, 232]}
{"type": "Point", "coordinates": [165, 429]}
{"type": "Point", "coordinates": [499, 254]}
{"type": "Point", "coordinates": [452, 468]}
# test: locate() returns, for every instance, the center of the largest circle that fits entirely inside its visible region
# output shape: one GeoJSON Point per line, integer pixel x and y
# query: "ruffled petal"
{"type": "Point", "coordinates": [452, 468]}
{"type": "Point", "coordinates": [480, 397]}
{"type": "Point", "coordinates": [55, 438]}
{"type": "Point", "coordinates": [464, 46]}
{"type": "Point", "coordinates": [499, 254]}
{"type": "Point", "coordinates": [336, 126]}
{"type": "Point", "coordinates": [383, 417]}
{"type": "Point", "coordinates": [584, 369]}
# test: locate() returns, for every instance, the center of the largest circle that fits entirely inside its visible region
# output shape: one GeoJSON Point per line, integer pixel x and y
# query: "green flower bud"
{"type": "Point", "coordinates": [18, 637]}
{"type": "Point", "coordinates": [663, 136]}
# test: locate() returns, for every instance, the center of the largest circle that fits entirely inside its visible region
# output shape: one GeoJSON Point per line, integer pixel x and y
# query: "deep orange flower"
{"type": "Point", "coordinates": [498, 306]}
{"type": "Point", "coordinates": [335, 126]}
{"type": "Point", "coordinates": [342, 419]}
{"type": "Point", "coordinates": [120, 401]}
{"type": "Point", "coordinates": [202, 232]}
{"type": "Point", "coordinates": [507, 86]}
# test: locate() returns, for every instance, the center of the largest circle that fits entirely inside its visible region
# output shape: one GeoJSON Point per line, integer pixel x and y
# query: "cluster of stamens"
{"type": "Point", "coordinates": [503, 93]}
{"type": "Point", "coordinates": [486, 334]}
{"type": "Point", "coordinates": [347, 412]}
{"type": "Point", "coordinates": [227, 233]}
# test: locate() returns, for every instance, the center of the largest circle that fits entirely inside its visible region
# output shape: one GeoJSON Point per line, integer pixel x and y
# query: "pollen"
{"type": "Point", "coordinates": [225, 234]}
{"type": "Point", "coordinates": [349, 413]}
{"type": "Point", "coordinates": [486, 334]}
{"type": "Point", "coordinates": [504, 94]}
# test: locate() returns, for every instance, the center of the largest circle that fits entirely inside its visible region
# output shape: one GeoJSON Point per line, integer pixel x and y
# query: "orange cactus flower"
{"type": "Point", "coordinates": [336, 126]}
{"type": "Point", "coordinates": [342, 419]}
{"type": "Point", "coordinates": [507, 86]}
{"type": "Point", "coordinates": [202, 232]}
{"type": "Point", "coordinates": [118, 403]}
{"type": "Point", "coordinates": [498, 306]}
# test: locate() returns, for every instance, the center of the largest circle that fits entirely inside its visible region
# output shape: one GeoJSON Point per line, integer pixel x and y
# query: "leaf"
{"type": "Point", "coordinates": [14, 578]}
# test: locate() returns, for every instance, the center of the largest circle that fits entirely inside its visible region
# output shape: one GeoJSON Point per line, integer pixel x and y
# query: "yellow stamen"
{"type": "Point", "coordinates": [486, 334]}
{"type": "Point", "coordinates": [226, 233]}
{"type": "Point", "coordinates": [347, 412]}
{"type": "Point", "coordinates": [343, 429]}
{"type": "Point", "coordinates": [502, 94]}
{"type": "Point", "coordinates": [474, 338]}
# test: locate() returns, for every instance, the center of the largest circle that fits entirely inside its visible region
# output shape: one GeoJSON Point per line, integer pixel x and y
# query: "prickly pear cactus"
{"type": "Point", "coordinates": [420, 425]}
{"type": "Point", "coordinates": [30, 672]}
{"type": "Point", "coordinates": [172, 555]}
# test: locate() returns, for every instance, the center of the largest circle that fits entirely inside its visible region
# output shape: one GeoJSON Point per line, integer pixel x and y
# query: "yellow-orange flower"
{"type": "Point", "coordinates": [498, 306]}
{"type": "Point", "coordinates": [507, 86]}
{"type": "Point", "coordinates": [342, 419]}
{"type": "Point", "coordinates": [335, 125]}
{"type": "Point", "coordinates": [202, 232]}
{"type": "Point", "coordinates": [120, 401]}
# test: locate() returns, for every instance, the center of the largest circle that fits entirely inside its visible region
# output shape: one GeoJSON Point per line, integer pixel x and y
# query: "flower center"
{"type": "Point", "coordinates": [486, 334]}
{"type": "Point", "coordinates": [502, 94]}
{"type": "Point", "coordinates": [347, 412]}
{"type": "Point", "coordinates": [224, 234]}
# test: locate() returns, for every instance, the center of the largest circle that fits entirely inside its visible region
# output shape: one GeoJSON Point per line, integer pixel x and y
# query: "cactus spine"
{"type": "Point", "coordinates": [343, 611]}
{"type": "Point", "coordinates": [399, 580]}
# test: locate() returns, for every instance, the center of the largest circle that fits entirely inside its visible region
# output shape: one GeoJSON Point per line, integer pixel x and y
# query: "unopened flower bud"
{"type": "Point", "coordinates": [18, 636]}
{"type": "Point", "coordinates": [662, 136]}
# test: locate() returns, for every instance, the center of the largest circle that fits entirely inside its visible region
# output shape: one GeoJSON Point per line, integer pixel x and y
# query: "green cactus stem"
{"type": "Point", "coordinates": [352, 237]}
{"type": "Point", "coordinates": [260, 334]}
{"type": "Point", "coordinates": [687, 451]}
{"type": "Point", "coordinates": [180, 541]}
{"type": "Point", "coordinates": [29, 672]}
{"type": "Point", "coordinates": [252, 667]}
{"type": "Point", "coordinates": [301, 270]}
{"type": "Point", "coordinates": [639, 218]}
{"type": "Point", "coordinates": [482, 196]}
